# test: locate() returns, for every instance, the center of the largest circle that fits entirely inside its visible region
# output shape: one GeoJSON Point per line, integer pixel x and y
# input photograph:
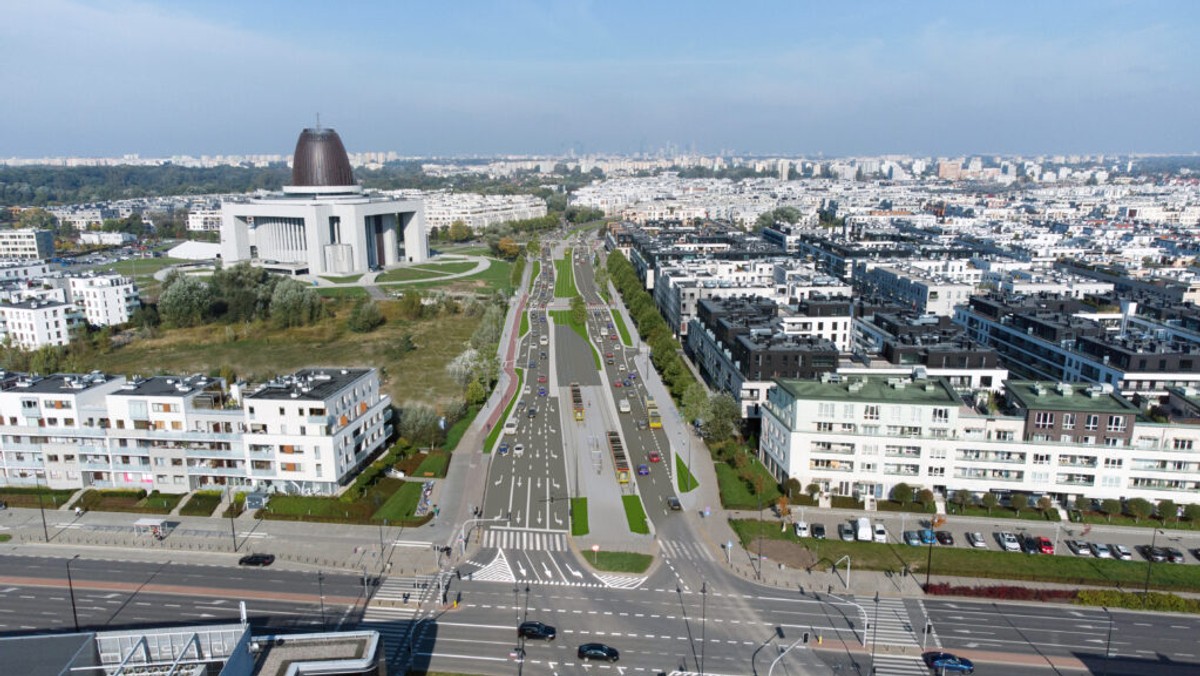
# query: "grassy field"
{"type": "Point", "coordinates": [910, 507]}
{"type": "Point", "coordinates": [524, 324]}
{"type": "Point", "coordinates": [564, 277]}
{"type": "Point", "coordinates": [434, 465]}
{"type": "Point", "coordinates": [619, 562]}
{"type": "Point", "coordinates": [498, 277]}
{"type": "Point", "coordinates": [622, 330]}
{"type": "Point", "coordinates": [579, 517]}
{"type": "Point", "coordinates": [128, 501]}
{"type": "Point", "coordinates": [449, 268]}
{"type": "Point", "coordinates": [1028, 514]}
{"type": "Point", "coordinates": [406, 275]}
{"type": "Point", "coordinates": [342, 292]}
{"type": "Point", "coordinates": [537, 270]}
{"type": "Point", "coordinates": [390, 499]}
{"type": "Point", "coordinates": [401, 507]}
{"type": "Point", "coordinates": [349, 279]}
{"type": "Point", "coordinates": [563, 317]}
{"type": "Point", "coordinates": [137, 267]}
{"type": "Point", "coordinates": [258, 351]}
{"type": "Point", "coordinates": [1122, 520]}
{"type": "Point", "coordinates": [683, 476]}
{"type": "Point", "coordinates": [458, 429]}
{"type": "Point", "coordinates": [970, 562]}
{"type": "Point", "coordinates": [15, 496]}
{"type": "Point", "coordinates": [202, 503]}
{"type": "Point", "coordinates": [494, 434]}
{"type": "Point", "coordinates": [635, 515]}
{"type": "Point", "coordinates": [735, 494]}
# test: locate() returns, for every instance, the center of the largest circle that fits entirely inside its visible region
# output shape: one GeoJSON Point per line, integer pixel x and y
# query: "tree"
{"type": "Point", "coordinates": [1139, 508]}
{"type": "Point", "coordinates": [508, 248]}
{"type": "Point", "coordinates": [792, 487]}
{"type": "Point", "coordinates": [295, 304]}
{"type": "Point", "coordinates": [902, 493]}
{"type": "Point", "coordinates": [781, 214]}
{"type": "Point", "coordinates": [695, 403]}
{"type": "Point", "coordinates": [812, 489]}
{"type": "Point", "coordinates": [926, 497]}
{"type": "Point", "coordinates": [1167, 510]}
{"type": "Point", "coordinates": [1110, 506]}
{"type": "Point", "coordinates": [459, 232]}
{"type": "Point", "coordinates": [578, 310]}
{"type": "Point", "coordinates": [1191, 512]}
{"type": "Point", "coordinates": [990, 500]}
{"type": "Point", "coordinates": [37, 219]}
{"type": "Point", "coordinates": [419, 423]}
{"type": "Point", "coordinates": [724, 416]}
{"type": "Point", "coordinates": [782, 505]}
{"type": "Point", "coordinates": [961, 497]}
{"type": "Point", "coordinates": [1019, 501]}
{"type": "Point", "coordinates": [185, 302]}
{"type": "Point", "coordinates": [1044, 504]}
{"type": "Point", "coordinates": [1082, 503]}
{"type": "Point", "coordinates": [365, 317]}
{"type": "Point", "coordinates": [411, 305]}
{"type": "Point", "coordinates": [476, 393]}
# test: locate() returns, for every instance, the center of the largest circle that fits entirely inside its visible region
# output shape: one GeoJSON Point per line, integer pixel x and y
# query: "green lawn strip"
{"type": "Point", "coordinates": [458, 429]}
{"type": "Point", "coordinates": [911, 507]}
{"type": "Point", "coordinates": [202, 503]}
{"type": "Point", "coordinates": [494, 434]}
{"type": "Point", "coordinates": [622, 330]}
{"type": "Point", "coordinates": [537, 270]}
{"type": "Point", "coordinates": [579, 517]}
{"type": "Point", "coordinates": [451, 268]}
{"type": "Point", "coordinates": [19, 496]}
{"type": "Point", "coordinates": [401, 507]}
{"type": "Point", "coordinates": [564, 278]}
{"type": "Point", "coordinates": [434, 465]}
{"type": "Point", "coordinates": [970, 562]}
{"type": "Point", "coordinates": [635, 514]}
{"type": "Point", "coordinates": [5, 537]}
{"type": "Point", "coordinates": [524, 324]}
{"type": "Point", "coordinates": [564, 317]}
{"type": "Point", "coordinates": [1122, 520]}
{"type": "Point", "coordinates": [142, 266]}
{"type": "Point", "coordinates": [405, 275]}
{"type": "Point", "coordinates": [342, 292]}
{"type": "Point", "coordinates": [348, 279]}
{"type": "Point", "coordinates": [736, 493]}
{"type": "Point", "coordinates": [683, 476]}
{"type": "Point", "coordinates": [236, 507]}
{"type": "Point", "coordinates": [117, 500]}
{"type": "Point", "coordinates": [1028, 514]}
{"type": "Point", "coordinates": [498, 277]}
{"type": "Point", "coordinates": [619, 562]}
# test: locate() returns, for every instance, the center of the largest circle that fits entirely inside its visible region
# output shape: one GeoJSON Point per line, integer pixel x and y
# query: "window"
{"type": "Point", "coordinates": [1041, 458]}
{"type": "Point", "coordinates": [937, 453]}
{"type": "Point", "coordinates": [1043, 420]}
{"type": "Point", "coordinates": [1110, 481]}
{"type": "Point", "coordinates": [1113, 463]}
{"type": "Point", "coordinates": [1068, 421]}
{"type": "Point", "coordinates": [1181, 444]}
{"type": "Point", "coordinates": [1093, 422]}
{"type": "Point", "coordinates": [871, 412]}
{"type": "Point", "coordinates": [824, 427]}
{"type": "Point", "coordinates": [1116, 423]}
{"type": "Point", "coordinates": [825, 410]}
{"type": "Point", "coordinates": [941, 415]}
{"type": "Point", "coordinates": [937, 471]}
{"type": "Point", "coordinates": [1112, 441]}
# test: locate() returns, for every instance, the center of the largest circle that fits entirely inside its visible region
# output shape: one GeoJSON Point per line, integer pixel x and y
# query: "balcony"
{"type": "Point", "coordinates": [831, 447]}
{"type": "Point", "coordinates": [217, 471]}
{"type": "Point", "coordinates": [1066, 461]}
{"type": "Point", "coordinates": [269, 473]}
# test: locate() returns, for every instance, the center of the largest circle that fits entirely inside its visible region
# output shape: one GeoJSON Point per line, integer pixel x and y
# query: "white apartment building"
{"type": "Point", "coordinates": [104, 299]}
{"type": "Point", "coordinates": [862, 435]}
{"type": "Point", "coordinates": [22, 270]}
{"type": "Point", "coordinates": [106, 238]}
{"type": "Point", "coordinates": [34, 324]}
{"type": "Point", "coordinates": [26, 244]}
{"type": "Point", "coordinates": [204, 220]}
{"type": "Point", "coordinates": [922, 291]}
{"type": "Point", "coordinates": [479, 211]}
{"type": "Point", "coordinates": [309, 433]}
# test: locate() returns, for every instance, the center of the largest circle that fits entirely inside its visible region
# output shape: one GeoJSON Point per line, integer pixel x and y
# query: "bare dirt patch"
{"type": "Point", "coordinates": [790, 554]}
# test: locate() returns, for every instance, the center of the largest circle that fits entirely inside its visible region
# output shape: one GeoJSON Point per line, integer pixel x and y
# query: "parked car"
{"type": "Point", "coordinates": [1121, 552]}
{"type": "Point", "coordinates": [1100, 550]}
{"type": "Point", "coordinates": [944, 537]}
{"type": "Point", "coordinates": [1155, 554]}
{"type": "Point", "coordinates": [1174, 555]}
{"type": "Point", "coordinates": [1008, 541]}
{"type": "Point", "coordinates": [1078, 548]}
{"type": "Point", "coordinates": [927, 536]}
{"type": "Point", "coordinates": [912, 538]}
{"type": "Point", "coordinates": [976, 540]}
{"type": "Point", "coordinates": [880, 533]}
{"type": "Point", "coordinates": [947, 663]}
{"type": "Point", "coordinates": [1044, 545]}
{"type": "Point", "coordinates": [801, 529]}
{"type": "Point", "coordinates": [258, 560]}
{"type": "Point", "coordinates": [818, 531]}
{"type": "Point", "coordinates": [537, 631]}
{"type": "Point", "coordinates": [846, 532]}
{"type": "Point", "coordinates": [598, 651]}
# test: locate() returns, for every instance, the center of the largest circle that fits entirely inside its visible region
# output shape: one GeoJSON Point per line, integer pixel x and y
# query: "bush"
{"type": "Point", "coordinates": [1004, 592]}
{"type": "Point", "coordinates": [1155, 601]}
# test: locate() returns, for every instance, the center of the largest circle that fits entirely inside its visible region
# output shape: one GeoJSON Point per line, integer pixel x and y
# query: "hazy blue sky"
{"type": "Point", "coordinates": [98, 77]}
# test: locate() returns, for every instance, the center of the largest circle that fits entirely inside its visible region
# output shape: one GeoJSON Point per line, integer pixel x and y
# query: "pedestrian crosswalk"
{"type": "Point", "coordinates": [679, 549]}
{"type": "Point", "coordinates": [528, 540]}
{"type": "Point", "coordinates": [395, 606]}
{"type": "Point", "coordinates": [899, 665]}
{"type": "Point", "coordinates": [621, 581]}
{"type": "Point", "coordinates": [891, 624]}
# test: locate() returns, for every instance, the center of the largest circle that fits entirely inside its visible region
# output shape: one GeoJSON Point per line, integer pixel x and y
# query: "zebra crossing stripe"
{"type": "Point", "coordinates": [899, 665]}
{"type": "Point", "coordinates": [525, 540]}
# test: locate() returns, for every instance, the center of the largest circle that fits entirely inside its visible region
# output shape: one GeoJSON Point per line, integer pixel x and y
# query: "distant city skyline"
{"type": "Point", "coordinates": [104, 78]}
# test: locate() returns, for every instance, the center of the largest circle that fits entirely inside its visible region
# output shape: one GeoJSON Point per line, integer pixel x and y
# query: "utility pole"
{"type": "Point", "coordinates": [41, 506]}
{"type": "Point", "coordinates": [71, 586]}
{"type": "Point", "coordinates": [232, 527]}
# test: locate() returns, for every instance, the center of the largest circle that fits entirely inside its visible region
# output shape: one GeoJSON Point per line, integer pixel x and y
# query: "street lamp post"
{"type": "Point", "coordinates": [1108, 643]}
{"type": "Point", "coordinates": [758, 573]}
{"type": "Point", "coordinates": [929, 565]}
{"type": "Point", "coordinates": [875, 632]}
{"type": "Point", "coordinates": [321, 593]}
{"type": "Point", "coordinates": [71, 587]}
{"type": "Point", "coordinates": [232, 527]}
{"type": "Point", "coordinates": [703, 621]}
{"type": "Point", "coordinates": [1149, 567]}
{"type": "Point", "coordinates": [41, 506]}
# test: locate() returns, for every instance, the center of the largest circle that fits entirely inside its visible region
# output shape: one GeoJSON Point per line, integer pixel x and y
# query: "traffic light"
{"type": "Point", "coordinates": [806, 638]}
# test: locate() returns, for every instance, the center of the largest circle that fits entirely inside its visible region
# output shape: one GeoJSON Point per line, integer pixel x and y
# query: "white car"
{"type": "Point", "coordinates": [519, 450]}
{"type": "Point", "coordinates": [510, 427]}
{"type": "Point", "coordinates": [801, 529]}
{"type": "Point", "coordinates": [976, 540]}
{"type": "Point", "coordinates": [1121, 552]}
{"type": "Point", "coordinates": [1099, 550]}
{"type": "Point", "coordinates": [880, 533]}
{"type": "Point", "coordinates": [1009, 542]}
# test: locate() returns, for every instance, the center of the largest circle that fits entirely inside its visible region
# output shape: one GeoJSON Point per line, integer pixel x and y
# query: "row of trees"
{"type": "Point", "coordinates": [237, 294]}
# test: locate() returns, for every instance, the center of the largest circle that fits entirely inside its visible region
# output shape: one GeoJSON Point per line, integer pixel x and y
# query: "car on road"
{"type": "Point", "coordinates": [609, 356]}
{"type": "Point", "coordinates": [642, 424]}
{"type": "Point", "coordinates": [609, 361]}
{"type": "Point", "coordinates": [1100, 550]}
{"type": "Point", "coordinates": [598, 651]}
{"type": "Point", "coordinates": [911, 537]}
{"type": "Point", "coordinates": [1155, 554]}
{"type": "Point", "coordinates": [518, 450]}
{"type": "Point", "coordinates": [541, 391]}
{"type": "Point", "coordinates": [846, 532]}
{"type": "Point", "coordinates": [532, 363]}
{"type": "Point", "coordinates": [617, 383]}
{"type": "Point", "coordinates": [818, 531]}
{"type": "Point", "coordinates": [643, 470]}
{"type": "Point", "coordinates": [801, 529]}
{"type": "Point", "coordinates": [510, 427]}
{"type": "Point", "coordinates": [631, 375]}
{"type": "Point", "coordinates": [257, 560]}
{"type": "Point", "coordinates": [532, 412]}
{"type": "Point", "coordinates": [976, 540]}
{"type": "Point", "coordinates": [612, 336]}
{"type": "Point", "coordinates": [1008, 541]}
{"type": "Point", "coordinates": [654, 456]}
{"type": "Point", "coordinates": [1174, 555]}
{"type": "Point", "coordinates": [947, 663]}
{"type": "Point", "coordinates": [537, 631]}
{"type": "Point", "coordinates": [673, 503]}
{"type": "Point", "coordinates": [1121, 552]}
{"type": "Point", "coordinates": [1078, 548]}
{"type": "Point", "coordinates": [542, 378]}
{"type": "Point", "coordinates": [927, 536]}
{"type": "Point", "coordinates": [944, 537]}
{"type": "Point", "coordinates": [880, 533]}
{"type": "Point", "coordinates": [502, 449]}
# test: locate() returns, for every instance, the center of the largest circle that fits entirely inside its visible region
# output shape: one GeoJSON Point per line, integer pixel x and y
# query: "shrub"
{"type": "Point", "coordinates": [1003, 592]}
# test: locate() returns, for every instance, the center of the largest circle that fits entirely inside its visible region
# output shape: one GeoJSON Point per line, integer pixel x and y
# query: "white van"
{"type": "Point", "coordinates": [543, 340]}
{"type": "Point", "coordinates": [623, 406]}
{"type": "Point", "coordinates": [510, 427]}
{"type": "Point", "coordinates": [863, 531]}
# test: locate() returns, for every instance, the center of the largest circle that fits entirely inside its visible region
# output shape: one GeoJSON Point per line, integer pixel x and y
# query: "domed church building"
{"type": "Point", "coordinates": [323, 223]}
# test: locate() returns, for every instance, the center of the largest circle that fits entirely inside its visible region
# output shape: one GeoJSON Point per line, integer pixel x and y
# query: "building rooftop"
{"type": "Point", "coordinates": [308, 384]}
{"type": "Point", "coordinates": [1049, 396]}
{"type": "Point", "coordinates": [164, 386]}
{"type": "Point", "coordinates": [883, 389]}
{"type": "Point", "coordinates": [59, 383]}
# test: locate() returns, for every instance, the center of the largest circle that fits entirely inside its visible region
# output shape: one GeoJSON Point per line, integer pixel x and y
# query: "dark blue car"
{"type": "Point", "coordinates": [946, 663]}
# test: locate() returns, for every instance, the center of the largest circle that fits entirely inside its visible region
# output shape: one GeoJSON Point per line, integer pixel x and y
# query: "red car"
{"type": "Point", "coordinates": [617, 383]}
{"type": "Point", "coordinates": [612, 336]}
{"type": "Point", "coordinates": [655, 457]}
{"type": "Point", "coordinates": [541, 379]}
{"type": "Point", "coordinates": [1044, 545]}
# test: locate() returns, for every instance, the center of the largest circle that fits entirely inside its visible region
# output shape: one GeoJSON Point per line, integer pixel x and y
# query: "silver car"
{"type": "Point", "coordinates": [1009, 541]}
{"type": "Point", "coordinates": [1121, 552]}
{"type": "Point", "coordinates": [1100, 550]}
